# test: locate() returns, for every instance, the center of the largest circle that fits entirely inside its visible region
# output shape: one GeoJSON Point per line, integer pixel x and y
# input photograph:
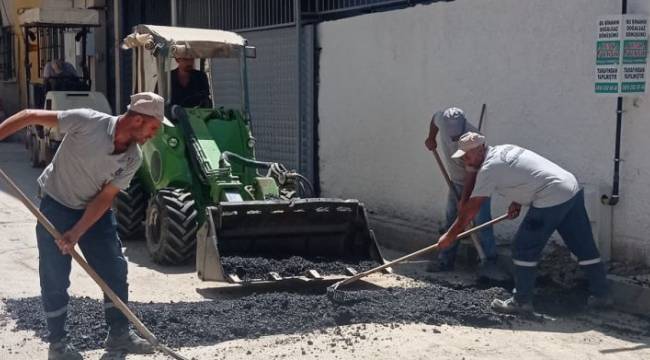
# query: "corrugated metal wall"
{"type": "Point", "coordinates": [273, 79]}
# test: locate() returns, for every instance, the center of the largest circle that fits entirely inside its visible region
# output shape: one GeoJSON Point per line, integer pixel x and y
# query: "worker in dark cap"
{"type": "Point", "coordinates": [448, 126]}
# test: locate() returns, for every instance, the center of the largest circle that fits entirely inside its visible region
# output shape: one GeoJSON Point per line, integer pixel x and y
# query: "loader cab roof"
{"type": "Point", "coordinates": [186, 42]}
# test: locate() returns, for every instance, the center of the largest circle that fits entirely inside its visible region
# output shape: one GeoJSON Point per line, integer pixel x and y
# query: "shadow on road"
{"type": "Point", "coordinates": [113, 356]}
{"type": "Point", "coordinates": [137, 253]}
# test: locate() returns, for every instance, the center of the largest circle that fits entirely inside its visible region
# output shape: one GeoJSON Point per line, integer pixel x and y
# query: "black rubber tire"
{"type": "Point", "coordinates": [130, 208]}
{"type": "Point", "coordinates": [171, 226]}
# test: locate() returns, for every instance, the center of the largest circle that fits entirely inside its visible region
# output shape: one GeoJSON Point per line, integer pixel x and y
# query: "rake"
{"type": "Point", "coordinates": [119, 304]}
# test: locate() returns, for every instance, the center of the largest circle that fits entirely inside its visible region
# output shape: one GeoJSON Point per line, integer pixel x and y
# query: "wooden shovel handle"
{"type": "Point", "coordinates": [421, 251]}
{"type": "Point", "coordinates": [82, 262]}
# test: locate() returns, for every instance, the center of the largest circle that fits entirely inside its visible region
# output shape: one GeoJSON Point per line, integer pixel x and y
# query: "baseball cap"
{"type": "Point", "coordinates": [467, 142]}
{"type": "Point", "coordinates": [148, 103]}
{"type": "Point", "coordinates": [454, 119]}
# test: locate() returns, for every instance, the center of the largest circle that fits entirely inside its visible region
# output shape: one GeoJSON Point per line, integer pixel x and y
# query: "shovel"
{"type": "Point", "coordinates": [148, 335]}
{"type": "Point", "coordinates": [452, 188]}
{"type": "Point", "coordinates": [339, 296]}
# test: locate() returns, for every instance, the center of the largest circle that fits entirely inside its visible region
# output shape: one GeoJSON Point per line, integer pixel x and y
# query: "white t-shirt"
{"type": "Point", "coordinates": [525, 177]}
{"type": "Point", "coordinates": [85, 162]}
{"type": "Point", "coordinates": [455, 167]}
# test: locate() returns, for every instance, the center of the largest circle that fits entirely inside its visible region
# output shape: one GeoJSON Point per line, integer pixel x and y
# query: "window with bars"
{"type": "Point", "coordinates": [7, 54]}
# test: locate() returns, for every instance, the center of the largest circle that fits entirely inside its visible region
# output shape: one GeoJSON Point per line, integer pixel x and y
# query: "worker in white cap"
{"type": "Point", "coordinates": [556, 202]}
{"type": "Point", "coordinates": [98, 157]}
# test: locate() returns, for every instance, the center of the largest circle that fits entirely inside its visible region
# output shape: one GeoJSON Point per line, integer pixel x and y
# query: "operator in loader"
{"type": "Point", "coordinates": [556, 202]}
{"type": "Point", "coordinates": [450, 124]}
{"type": "Point", "coordinates": [190, 87]}
{"type": "Point", "coordinates": [98, 157]}
{"type": "Point", "coordinates": [58, 73]}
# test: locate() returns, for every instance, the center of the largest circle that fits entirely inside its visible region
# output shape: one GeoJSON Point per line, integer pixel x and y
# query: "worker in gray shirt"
{"type": "Point", "coordinates": [97, 158]}
{"type": "Point", "coordinates": [556, 202]}
{"type": "Point", "coordinates": [449, 125]}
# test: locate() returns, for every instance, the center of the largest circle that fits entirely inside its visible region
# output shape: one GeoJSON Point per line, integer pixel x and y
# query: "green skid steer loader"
{"type": "Point", "coordinates": [200, 190]}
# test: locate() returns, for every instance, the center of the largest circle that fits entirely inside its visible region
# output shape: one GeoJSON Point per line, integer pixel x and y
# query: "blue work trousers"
{"type": "Point", "coordinates": [572, 223]}
{"type": "Point", "coordinates": [102, 249]}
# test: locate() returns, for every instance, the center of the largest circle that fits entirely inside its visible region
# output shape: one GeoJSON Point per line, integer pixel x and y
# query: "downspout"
{"type": "Point", "coordinates": [297, 19]}
{"type": "Point", "coordinates": [174, 13]}
{"type": "Point", "coordinates": [612, 200]}
{"type": "Point", "coordinates": [117, 26]}
{"type": "Point", "coordinates": [316, 86]}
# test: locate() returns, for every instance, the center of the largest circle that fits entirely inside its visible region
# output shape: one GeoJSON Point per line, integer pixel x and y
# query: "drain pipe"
{"type": "Point", "coordinates": [117, 33]}
{"type": "Point", "coordinates": [174, 12]}
{"type": "Point", "coordinates": [614, 197]}
{"type": "Point", "coordinates": [297, 18]}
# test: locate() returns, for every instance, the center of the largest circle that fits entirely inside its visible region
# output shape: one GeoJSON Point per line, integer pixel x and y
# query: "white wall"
{"type": "Point", "coordinates": [632, 217]}
{"type": "Point", "coordinates": [382, 75]}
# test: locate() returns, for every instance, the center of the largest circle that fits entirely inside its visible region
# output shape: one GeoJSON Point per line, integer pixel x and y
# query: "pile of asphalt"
{"type": "Point", "coordinates": [209, 322]}
{"type": "Point", "coordinates": [250, 268]}
{"type": "Point", "coordinates": [557, 267]}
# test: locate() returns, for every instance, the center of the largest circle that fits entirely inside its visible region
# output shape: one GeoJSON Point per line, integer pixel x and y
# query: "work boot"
{"type": "Point", "coordinates": [128, 342]}
{"type": "Point", "coordinates": [511, 306]}
{"type": "Point", "coordinates": [600, 302]}
{"type": "Point", "coordinates": [62, 350]}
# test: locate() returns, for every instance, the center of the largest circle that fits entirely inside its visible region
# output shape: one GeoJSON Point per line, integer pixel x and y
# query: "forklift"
{"type": "Point", "coordinates": [47, 43]}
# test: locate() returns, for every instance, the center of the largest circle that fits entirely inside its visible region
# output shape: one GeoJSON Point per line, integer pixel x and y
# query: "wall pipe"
{"type": "Point", "coordinates": [174, 12]}
{"type": "Point", "coordinates": [297, 18]}
{"type": "Point", "coordinates": [117, 26]}
{"type": "Point", "coordinates": [615, 196]}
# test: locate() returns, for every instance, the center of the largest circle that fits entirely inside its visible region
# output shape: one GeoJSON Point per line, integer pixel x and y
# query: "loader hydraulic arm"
{"type": "Point", "coordinates": [205, 154]}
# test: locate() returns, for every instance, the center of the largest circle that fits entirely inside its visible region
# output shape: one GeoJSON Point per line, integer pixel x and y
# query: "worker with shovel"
{"type": "Point", "coordinates": [556, 203]}
{"type": "Point", "coordinates": [97, 158]}
{"type": "Point", "coordinates": [450, 124]}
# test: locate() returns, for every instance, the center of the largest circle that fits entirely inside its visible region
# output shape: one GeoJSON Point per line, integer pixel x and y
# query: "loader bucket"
{"type": "Point", "coordinates": [332, 229]}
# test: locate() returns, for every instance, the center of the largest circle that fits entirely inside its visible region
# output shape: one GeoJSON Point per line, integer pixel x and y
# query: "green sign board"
{"type": "Point", "coordinates": [621, 55]}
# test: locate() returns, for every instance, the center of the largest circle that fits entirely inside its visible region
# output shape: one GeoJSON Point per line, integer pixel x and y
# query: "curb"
{"type": "Point", "coordinates": [629, 297]}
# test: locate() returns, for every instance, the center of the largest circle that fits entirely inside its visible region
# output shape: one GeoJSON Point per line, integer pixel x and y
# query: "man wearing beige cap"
{"type": "Point", "coordinates": [555, 202]}
{"type": "Point", "coordinates": [97, 158]}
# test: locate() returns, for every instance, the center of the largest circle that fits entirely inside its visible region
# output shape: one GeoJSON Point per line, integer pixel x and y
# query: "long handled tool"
{"type": "Point", "coordinates": [452, 188]}
{"type": "Point", "coordinates": [480, 120]}
{"type": "Point", "coordinates": [339, 296]}
{"type": "Point", "coordinates": [151, 338]}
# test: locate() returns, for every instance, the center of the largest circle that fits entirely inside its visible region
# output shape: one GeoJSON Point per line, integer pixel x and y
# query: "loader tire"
{"type": "Point", "coordinates": [171, 226]}
{"type": "Point", "coordinates": [130, 208]}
